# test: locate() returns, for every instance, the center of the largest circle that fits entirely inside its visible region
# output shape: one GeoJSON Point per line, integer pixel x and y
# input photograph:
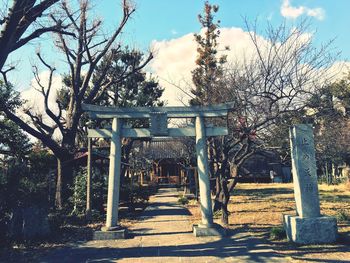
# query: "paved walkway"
{"type": "Point", "coordinates": [164, 235]}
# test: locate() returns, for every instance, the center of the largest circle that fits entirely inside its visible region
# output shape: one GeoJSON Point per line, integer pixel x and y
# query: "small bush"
{"type": "Point", "coordinates": [277, 233]}
{"type": "Point", "coordinates": [135, 194]}
{"type": "Point", "coordinates": [96, 216]}
{"type": "Point", "coordinates": [342, 216]}
{"type": "Point", "coordinates": [182, 200]}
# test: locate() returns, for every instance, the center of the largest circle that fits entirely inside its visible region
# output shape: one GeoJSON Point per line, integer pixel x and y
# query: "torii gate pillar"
{"type": "Point", "coordinates": [114, 176]}
{"type": "Point", "coordinates": [203, 173]}
{"type": "Point", "coordinates": [207, 227]}
{"type": "Point", "coordinates": [112, 230]}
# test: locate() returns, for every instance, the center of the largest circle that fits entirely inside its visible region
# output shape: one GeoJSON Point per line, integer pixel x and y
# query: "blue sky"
{"type": "Point", "coordinates": [167, 19]}
{"type": "Point", "coordinates": [161, 23]}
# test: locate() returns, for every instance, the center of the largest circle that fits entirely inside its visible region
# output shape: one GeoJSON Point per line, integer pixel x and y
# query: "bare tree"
{"type": "Point", "coordinates": [23, 22]}
{"type": "Point", "coordinates": [281, 76]}
{"type": "Point", "coordinates": [83, 50]}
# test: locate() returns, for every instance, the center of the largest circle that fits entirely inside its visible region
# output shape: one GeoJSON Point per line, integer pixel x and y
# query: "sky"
{"type": "Point", "coordinates": [166, 27]}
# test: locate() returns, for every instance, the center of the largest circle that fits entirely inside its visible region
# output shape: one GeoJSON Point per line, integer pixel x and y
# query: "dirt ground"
{"type": "Point", "coordinates": [257, 208]}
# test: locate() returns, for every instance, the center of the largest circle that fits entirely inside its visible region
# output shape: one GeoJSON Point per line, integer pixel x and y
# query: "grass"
{"type": "Point", "coordinates": [277, 233]}
{"type": "Point", "coordinates": [256, 210]}
{"type": "Point", "coordinates": [342, 216]}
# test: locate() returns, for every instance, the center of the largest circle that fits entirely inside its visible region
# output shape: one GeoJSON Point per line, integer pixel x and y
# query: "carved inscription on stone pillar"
{"type": "Point", "coordinates": [304, 171]}
{"type": "Point", "coordinates": [159, 124]}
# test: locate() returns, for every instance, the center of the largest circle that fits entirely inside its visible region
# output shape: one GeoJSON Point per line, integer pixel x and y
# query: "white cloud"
{"type": "Point", "coordinates": [318, 13]}
{"type": "Point", "coordinates": [340, 69]}
{"type": "Point", "coordinates": [175, 59]}
{"type": "Point", "coordinates": [35, 100]}
{"type": "Point", "coordinates": [289, 11]}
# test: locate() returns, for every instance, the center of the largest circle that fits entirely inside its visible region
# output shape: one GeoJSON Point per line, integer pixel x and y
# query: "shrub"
{"type": "Point", "coordinates": [132, 195]}
{"type": "Point", "coordinates": [77, 202]}
{"type": "Point", "coordinates": [183, 200]}
{"type": "Point", "coordinates": [135, 194]}
{"type": "Point", "coordinates": [342, 216]}
{"type": "Point", "coordinates": [277, 233]}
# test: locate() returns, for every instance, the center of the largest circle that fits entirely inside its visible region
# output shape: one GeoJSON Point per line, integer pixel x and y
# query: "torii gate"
{"type": "Point", "coordinates": [158, 128]}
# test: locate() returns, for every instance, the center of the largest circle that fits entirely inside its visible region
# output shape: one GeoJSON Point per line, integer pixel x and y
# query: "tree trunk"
{"type": "Point", "coordinates": [329, 172]}
{"type": "Point", "coordinates": [211, 157]}
{"type": "Point", "coordinates": [234, 170]}
{"type": "Point", "coordinates": [58, 196]}
{"type": "Point", "coordinates": [222, 197]}
{"type": "Point", "coordinates": [334, 172]}
{"type": "Point", "coordinates": [225, 200]}
{"type": "Point", "coordinates": [75, 196]}
{"type": "Point", "coordinates": [64, 180]}
{"type": "Point", "coordinates": [126, 150]}
{"type": "Point", "coordinates": [196, 183]}
{"type": "Point", "coordinates": [218, 195]}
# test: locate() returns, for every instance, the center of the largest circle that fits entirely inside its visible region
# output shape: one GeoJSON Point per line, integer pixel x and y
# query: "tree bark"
{"type": "Point", "coordinates": [64, 180]}
{"type": "Point", "coordinates": [224, 203]}
{"type": "Point", "coordinates": [19, 18]}
{"type": "Point", "coordinates": [58, 195]}
{"type": "Point", "coordinates": [218, 195]}
{"type": "Point", "coordinates": [222, 197]}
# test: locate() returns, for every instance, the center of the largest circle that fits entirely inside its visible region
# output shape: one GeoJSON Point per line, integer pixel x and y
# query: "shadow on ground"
{"type": "Point", "coordinates": [243, 243]}
{"type": "Point", "coordinates": [242, 246]}
{"type": "Point", "coordinates": [248, 244]}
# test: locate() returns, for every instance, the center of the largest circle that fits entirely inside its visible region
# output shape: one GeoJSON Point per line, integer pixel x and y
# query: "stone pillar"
{"type": "Point", "coordinates": [203, 173]}
{"type": "Point", "coordinates": [304, 171]}
{"type": "Point", "coordinates": [112, 230]}
{"type": "Point", "coordinates": [207, 227]}
{"type": "Point", "coordinates": [114, 176]}
{"type": "Point", "coordinates": [308, 226]}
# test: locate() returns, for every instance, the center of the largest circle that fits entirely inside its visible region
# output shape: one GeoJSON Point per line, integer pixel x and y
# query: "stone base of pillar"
{"type": "Point", "coordinates": [110, 233]}
{"type": "Point", "coordinates": [205, 231]}
{"type": "Point", "coordinates": [316, 230]}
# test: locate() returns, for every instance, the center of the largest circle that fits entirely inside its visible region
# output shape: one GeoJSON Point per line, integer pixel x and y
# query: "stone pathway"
{"type": "Point", "coordinates": [165, 235]}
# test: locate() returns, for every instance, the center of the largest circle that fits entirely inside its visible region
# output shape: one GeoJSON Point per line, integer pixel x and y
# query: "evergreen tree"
{"type": "Point", "coordinates": [208, 75]}
{"type": "Point", "coordinates": [13, 141]}
{"type": "Point", "coordinates": [131, 90]}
